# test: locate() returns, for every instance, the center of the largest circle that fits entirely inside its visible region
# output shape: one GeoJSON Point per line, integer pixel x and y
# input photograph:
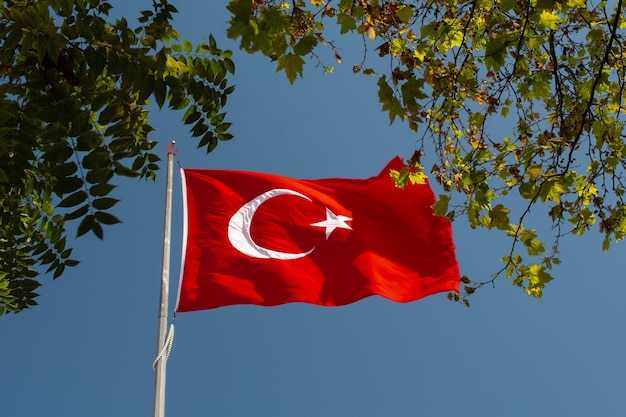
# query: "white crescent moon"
{"type": "Point", "coordinates": [239, 228]}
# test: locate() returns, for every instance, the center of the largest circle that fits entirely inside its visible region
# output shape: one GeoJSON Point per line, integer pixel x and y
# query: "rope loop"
{"type": "Point", "coordinates": [167, 347]}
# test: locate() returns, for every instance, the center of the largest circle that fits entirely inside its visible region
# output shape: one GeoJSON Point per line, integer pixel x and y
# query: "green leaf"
{"type": "Point", "coordinates": [68, 185]}
{"type": "Point", "coordinates": [64, 170]}
{"type": "Point", "coordinates": [100, 190]}
{"type": "Point", "coordinates": [208, 138]}
{"type": "Point", "coordinates": [495, 53]}
{"type": "Point", "coordinates": [98, 158]}
{"type": "Point", "coordinates": [390, 103]}
{"type": "Point", "coordinates": [100, 100]}
{"type": "Point", "coordinates": [499, 216]}
{"type": "Point", "coordinates": [441, 205]}
{"type": "Point", "coordinates": [191, 115]}
{"type": "Point", "coordinates": [106, 218]}
{"type": "Point", "coordinates": [506, 5]}
{"type": "Point", "coordinates": [71, 262]}
{"type": "Point", "coordinates": [199, 129]}
{"type": "Point", "coordinates": [104, 203]}
{"type": "Point", "coordinates": [222, 127]}
{"type": "Point", "coordinates": [100, 175]}
{"type": "Point", "coordinates": [77, 213]}
{"type": "Point", "coordinates": [225, 136]}
{"type": "Point", "coordinates": [114, 111]}
{"type": "Point", "coordinates": [528, 190]}
{"type": "Point", "coordinates": [124, 171]}
{"type": "Point", "coordinates": [412, 93]}
{"type": "Point", "coordinates": [160, 91]}
{"type": "Point", "coordinates": [405, 13]}
{"type": "Point", "coordinates": [97, 230]}
{"type": "Point", "coordinates": [88, 141]}
{"type": "Point", "coordinates": [229, 65]}
{"type": "Point", "coordinates": [534, 247]}
{"type": "Point", "coordinates": [59, 271]}
{"type": "Point", "coordinates": [292, 65]}
{"type": "Point", "coordinates": [73, 199]}
{"type": "Point", "coordinates": [347, 22]}
{"type": "Point", "coordinates": [305, 45]}
{"type": "Point", "coordinates": [85, 225]}
{"type": "Point", "coordinates": [60, 245]}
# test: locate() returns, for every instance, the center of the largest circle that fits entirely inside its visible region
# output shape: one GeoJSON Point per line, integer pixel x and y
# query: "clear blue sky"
{"type": "Point", "coordinates": [87, 349]}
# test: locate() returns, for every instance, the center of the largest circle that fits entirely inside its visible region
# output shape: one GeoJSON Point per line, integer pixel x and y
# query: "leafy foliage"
{"type": "Point", "coordinates": [74, 91]}
{"type": "Point", "coordinates": [509, 99]}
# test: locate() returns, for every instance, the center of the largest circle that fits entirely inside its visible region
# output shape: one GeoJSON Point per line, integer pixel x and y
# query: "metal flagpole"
{"type": "Point", "coordinates": [161, 361]}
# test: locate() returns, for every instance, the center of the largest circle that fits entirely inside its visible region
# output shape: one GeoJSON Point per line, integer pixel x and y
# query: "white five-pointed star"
{"type": "Point", "coordinates": [332, 222]}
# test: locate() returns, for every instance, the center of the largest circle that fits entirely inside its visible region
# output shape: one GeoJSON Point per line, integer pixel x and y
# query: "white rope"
{"type": "Point", "coordinates": [167, 347]}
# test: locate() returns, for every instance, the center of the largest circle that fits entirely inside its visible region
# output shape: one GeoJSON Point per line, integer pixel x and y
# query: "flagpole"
{"type": "Point", "coordinates": [159, 381]}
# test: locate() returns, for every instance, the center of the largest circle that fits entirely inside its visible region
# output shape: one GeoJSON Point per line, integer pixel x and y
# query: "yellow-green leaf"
{"type": "Point", "coordinates": [549, 20]}
{"type": "Point", "coordinates": [417, 177]}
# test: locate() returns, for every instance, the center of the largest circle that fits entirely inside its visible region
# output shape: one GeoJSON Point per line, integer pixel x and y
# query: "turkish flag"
{"type": "Point", "coordinates": [253, 238]}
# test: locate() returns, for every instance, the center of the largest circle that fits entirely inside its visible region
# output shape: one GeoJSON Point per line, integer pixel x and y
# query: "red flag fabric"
{"type": "Point", "coordinates": [253, 238]}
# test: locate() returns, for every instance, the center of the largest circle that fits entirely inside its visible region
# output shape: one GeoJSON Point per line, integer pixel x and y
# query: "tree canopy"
{"type": "Point", "coordinates": [75, 87]}
{"type": "Point", "coordinates": [510, 100]}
